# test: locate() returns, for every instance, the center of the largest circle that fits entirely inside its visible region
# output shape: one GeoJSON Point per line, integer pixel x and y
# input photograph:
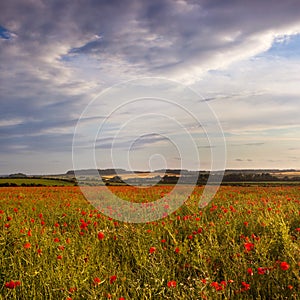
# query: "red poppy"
{"type": "Point", "coordinates": [246, 286]}
{"type": "Point", "coordinates": [172, 283]}
{"type": "Point", "coordinates": [261, 271]}
{"type": "Point", "coordinates": [217, 286]}
{"type": "Point", "coordinates": [112, 279]}
{"type": "Point", "coordinates": [284, 266]}
{"type": "Point", "coordinates": [100, 236]}
{"type": "Point", "coordinates": [250, 271]}
{"type": "Point", "coordinates": [223, 282]}
{"type": "Point", "coordinates": [152, 250]}
{"type": "Point", "coordinates": [248, 246]}
{"type": "Point", "coordinates": [27, 245]}
{"type": "Point", "coordinates": [12, 284]}
{"type": "Point", "coordinates": [96, 281]}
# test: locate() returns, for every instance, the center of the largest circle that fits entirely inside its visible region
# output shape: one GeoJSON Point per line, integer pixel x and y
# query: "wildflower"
{"type": "Point", "coordinates": [246, 286]}
{"type": "Point", "coordinates": [100, 235]}
{"type": "Point", "coordinates": [152, 250]}
{"type": "Point", "coordinates": [96, 280]}
{"type": "Point", "coordinates": [112, 279]}
{"type": "Point", "coordinates": [177, 250]}
{"type": "Point", "coordinates": [223, 283]}
{"type": "Point", "coordinates": [250, 271]}
{"type": "Point", "coordinates": [56, 240]}
{"type": "Point", "coordinates": [59, 257]}
{"type": "Point", "coordinates": [27, 245]}
{"type": "Point", "coordinates": [248, 246]}
{"type": "Point", "coordinates": [12, 284]}
{"type": "Point", "coordinates": [72, 289]}
{"type": "Point", "coordinates": [261, 271]}
{"type": "Point", "coordinates": [216, 286]}
{"type": "Point", "coordinates": [172, 283]}
{"type": "Point", "coordinates": [284, 266]}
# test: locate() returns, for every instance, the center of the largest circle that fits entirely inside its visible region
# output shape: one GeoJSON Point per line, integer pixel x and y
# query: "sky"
{"type": "Point", "coordinates": [149, 84]}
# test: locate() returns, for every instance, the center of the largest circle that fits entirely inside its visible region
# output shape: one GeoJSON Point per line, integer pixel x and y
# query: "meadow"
{"type": "Point", "coordinates": [244, 245]}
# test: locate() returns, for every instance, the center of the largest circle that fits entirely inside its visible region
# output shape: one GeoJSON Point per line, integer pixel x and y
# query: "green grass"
{"type": "Point", "coordinates": [35, 181]}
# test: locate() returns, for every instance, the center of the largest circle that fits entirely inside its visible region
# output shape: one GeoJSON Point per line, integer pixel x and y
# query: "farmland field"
{"type": "Point", "coordinates": [35, 182]}
{"type": "Point", "coordinates": [244, 245]}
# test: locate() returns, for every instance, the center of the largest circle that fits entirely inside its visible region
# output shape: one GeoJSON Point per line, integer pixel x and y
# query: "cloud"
{"type": "Point", "coordinates": [254, 144]}
{"type": "Point", "coordinates": [56, 56]}
{"type": "Point", "coordinates": [130, 142]}
{"type": "Point", "coordinates": [239, 159]}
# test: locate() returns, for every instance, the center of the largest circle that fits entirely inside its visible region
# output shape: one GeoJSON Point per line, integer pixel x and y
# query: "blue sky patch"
{"type": "Point", "coordinates": [286, 47]}
{"type": "Point", "coordinates": [4, 33]}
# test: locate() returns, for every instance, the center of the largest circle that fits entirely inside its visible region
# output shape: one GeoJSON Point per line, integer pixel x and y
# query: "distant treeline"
{"type": "Point", "coordinates": [202, 179]}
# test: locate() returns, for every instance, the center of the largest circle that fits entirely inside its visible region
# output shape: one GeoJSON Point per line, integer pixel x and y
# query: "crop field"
{"type": "Point", "coordinates": [34, 182]}
{"type": "Point", "coordinates": [245, 244]}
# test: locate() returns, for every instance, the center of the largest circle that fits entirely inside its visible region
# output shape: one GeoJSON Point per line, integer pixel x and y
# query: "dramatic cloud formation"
{"type": "Point", "coordinates": [241, 56]}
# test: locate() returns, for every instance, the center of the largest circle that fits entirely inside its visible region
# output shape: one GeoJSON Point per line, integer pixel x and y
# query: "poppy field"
{"type": "Point", "coordinates": [245, 244]}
